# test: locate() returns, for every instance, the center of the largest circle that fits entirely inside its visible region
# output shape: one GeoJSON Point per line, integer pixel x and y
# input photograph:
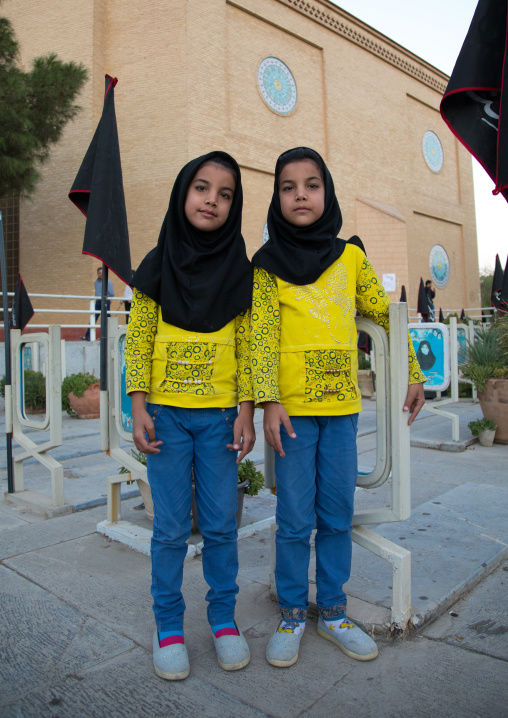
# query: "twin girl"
{"type": "Point", "coordinates": [210, 331]}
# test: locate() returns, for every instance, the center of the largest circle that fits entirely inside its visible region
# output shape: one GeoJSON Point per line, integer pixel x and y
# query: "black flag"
{"type": "Point", "coordinates": [22, 310]}
{"type": "Point", "coordinates": [403, 296]}
{"type": "Point", "coordinates": [423, 303]}
{"type": "Point", "coordinates": [462, 315]}
{"type": "Point", "coordinates": [497, 284]}
{"type": "Point", "coordinates": [475, 104]}
{"type": "Point", "coordinates": [441, 315]}
{"type": "Point", "coordinates": [98, 192]}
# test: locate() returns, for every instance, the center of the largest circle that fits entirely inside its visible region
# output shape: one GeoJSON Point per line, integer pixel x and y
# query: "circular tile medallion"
{"type": "Point", "coordinates": [277, 85]}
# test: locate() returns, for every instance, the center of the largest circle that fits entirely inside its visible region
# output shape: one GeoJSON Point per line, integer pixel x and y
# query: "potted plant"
{"type": "Point", "coordinates": [34, 385]}
{"type": "Point", "coordinates": [484, 429]}
{"type": "Point", "coordinates": [486, 367]}
{"type": "Point", "coordinates": [81, 395]}
{"type": "Point", "coordinates": [250, 482]}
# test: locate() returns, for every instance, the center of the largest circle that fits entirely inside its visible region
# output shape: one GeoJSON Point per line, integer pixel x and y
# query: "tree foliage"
{"type": "Point", "coordinates": [34, 108]}
{"type": "Point", "coordinates": [486, 277]}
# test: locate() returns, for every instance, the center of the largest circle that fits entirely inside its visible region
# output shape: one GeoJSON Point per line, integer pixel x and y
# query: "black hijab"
{"type": "Point", "coordinates": [201, 280]}
{"type": "Point", "coordinates": [301, 254]}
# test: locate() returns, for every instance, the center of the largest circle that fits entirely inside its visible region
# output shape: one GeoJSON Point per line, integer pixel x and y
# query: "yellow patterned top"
{"type": "Point", "coordinates": [186, 369]}
{"type": "Point", "coordinates": [303, 338]}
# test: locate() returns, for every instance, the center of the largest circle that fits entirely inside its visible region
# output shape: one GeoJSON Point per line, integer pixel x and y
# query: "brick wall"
{"type": "Point", "coordinates": [187, 84]}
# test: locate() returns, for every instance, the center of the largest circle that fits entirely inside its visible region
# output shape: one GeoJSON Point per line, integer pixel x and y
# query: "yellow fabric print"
{"type": "Point", "coordinates": [303, 338]}
{"type": "Point", "coordinates": [328, 376]}
{"type": "Point", "coordinates": [318, 300]}
{"type": "Point", "coordinates": [188, 369]}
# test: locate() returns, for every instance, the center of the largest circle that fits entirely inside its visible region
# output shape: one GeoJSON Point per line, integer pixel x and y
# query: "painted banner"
{"type": "Point", "coordinates": [431, 342]}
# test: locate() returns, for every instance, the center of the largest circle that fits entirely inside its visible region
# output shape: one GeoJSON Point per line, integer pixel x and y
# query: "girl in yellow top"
{"type": "Point", "coordinates": [188, 366]}
{"type": "Point", "coordinates": [307, 287]}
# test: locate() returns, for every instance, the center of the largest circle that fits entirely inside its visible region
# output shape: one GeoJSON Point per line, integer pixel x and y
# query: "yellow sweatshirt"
{"type": "Point", "coordinates": [186, 369]}
{"type": "Point", "coordinates": [303, 338]}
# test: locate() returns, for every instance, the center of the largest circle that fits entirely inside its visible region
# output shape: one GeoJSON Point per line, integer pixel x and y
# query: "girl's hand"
{"type": "Point", "coordinates": [244, 435]}
{"type": "Point", "coordinates": [142, 424]}
{"type": "Point", "coordinates": [415, 400]}
{"type": "Point", "coordinates": [274, 416]}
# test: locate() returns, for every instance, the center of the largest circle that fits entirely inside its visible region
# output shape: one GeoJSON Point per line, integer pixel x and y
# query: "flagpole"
{"type": "Point", "coordinates": [7, 344]}
{"type": "Point", "coordinates": [104, 405]}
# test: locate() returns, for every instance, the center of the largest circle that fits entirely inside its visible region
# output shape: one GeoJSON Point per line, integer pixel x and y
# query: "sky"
{"type": "Point", "coordinates": [435, 30]}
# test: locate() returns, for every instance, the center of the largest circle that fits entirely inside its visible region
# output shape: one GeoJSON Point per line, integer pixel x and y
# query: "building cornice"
{"type": "Point", "coordinates": [347, 26]}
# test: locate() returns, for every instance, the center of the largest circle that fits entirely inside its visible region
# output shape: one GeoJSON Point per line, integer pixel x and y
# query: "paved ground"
{"type": "Point", "coordinates": [76, 622]}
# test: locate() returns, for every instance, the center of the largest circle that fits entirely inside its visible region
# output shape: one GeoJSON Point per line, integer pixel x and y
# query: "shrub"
{"type": "Point", "coordinates": [247, 471]}
{"type": "Point", "coordinates": [35, 389]}
{"type": "Point", "coordinates": [480, 425]}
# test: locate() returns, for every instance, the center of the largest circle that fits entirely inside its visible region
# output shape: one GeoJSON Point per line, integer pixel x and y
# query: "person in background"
{"type": "Point", "coordinates": [98, 291]}
{"type": "Point", "coordinates": [127, 299]}
{"type": "Point", "coordinates": [431, 293]}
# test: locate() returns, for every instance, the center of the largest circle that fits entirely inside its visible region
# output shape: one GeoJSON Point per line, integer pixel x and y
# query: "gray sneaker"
{"type": "Point", "coordinates": [282, 648]}
{"type": "Point", "coordinates": [170, 662]}
{"type": "Point", "coordinates": [232, 651]}
{"type": "Point", "coordinates": [352, 640]}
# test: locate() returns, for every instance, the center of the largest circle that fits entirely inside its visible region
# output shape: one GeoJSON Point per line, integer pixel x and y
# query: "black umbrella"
{"type": "Point", "coordinates": [475, 104]}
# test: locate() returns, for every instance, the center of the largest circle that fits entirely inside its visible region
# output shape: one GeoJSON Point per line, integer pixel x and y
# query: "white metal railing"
{"type": "Point", "coordinates": [91, 311]}
{"type": "Point", "coordinates": [16, 415]}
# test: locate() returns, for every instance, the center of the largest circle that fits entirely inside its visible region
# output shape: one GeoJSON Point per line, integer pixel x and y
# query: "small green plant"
{"type": "Point", "coordinates": [247, 471]}
{"type": "Point", "coordinates": [480, 425]}
{"type": "Point", "coordinates": [77, 384]}
{"type": "Point", "coordinates": [34, 385]}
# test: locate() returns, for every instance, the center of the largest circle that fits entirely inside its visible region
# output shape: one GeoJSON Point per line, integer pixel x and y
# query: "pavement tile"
{"type": "Point", "coordinates": [479, 621]}
{"type": "Point", "coordinates": [127, 687]}
{"type": "Point", "coordinates": [43, 639]}
{"type": "Point", "coordinates": [418, 679]}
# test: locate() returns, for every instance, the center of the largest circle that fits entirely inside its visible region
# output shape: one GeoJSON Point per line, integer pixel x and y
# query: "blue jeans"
{"type": "Point", "coordinates": [193, 438]}
{"type": "Point", "coordinates": [315, 487]}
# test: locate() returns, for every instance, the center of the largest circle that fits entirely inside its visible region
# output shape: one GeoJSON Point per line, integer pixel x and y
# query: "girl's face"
{"type": "Point", "coordinates": [209, 197]}
{"type": "Point", "coordinates": [301, 193]}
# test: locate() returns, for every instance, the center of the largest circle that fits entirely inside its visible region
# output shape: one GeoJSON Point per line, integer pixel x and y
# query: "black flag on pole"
{"type": "Point", "coordinates": [475, 104]}
{"type": "Point", "coordinates": [497, 284]}
{"type": "Point", "coordinates": [441, 315]}
{"type": "Point", "coordinates": [403, 295]}
{"type": "Point", "coordinates": [98, 192]}
{"type": "Point", "coordinates": [22, 310]}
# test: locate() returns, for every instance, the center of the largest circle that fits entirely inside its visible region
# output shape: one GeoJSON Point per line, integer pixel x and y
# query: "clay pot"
{"type": "Point", "coordinates": [494, 403]}
{"type": "Point", "coordinates": [87, 406]}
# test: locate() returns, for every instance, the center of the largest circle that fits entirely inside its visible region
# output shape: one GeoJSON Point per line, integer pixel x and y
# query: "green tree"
{"type": "Point", "coordinates": [34, 108]}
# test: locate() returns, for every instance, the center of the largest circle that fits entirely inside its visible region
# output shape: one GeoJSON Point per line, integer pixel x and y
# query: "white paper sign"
{"type": "Point", "coordinates": [389, 282]}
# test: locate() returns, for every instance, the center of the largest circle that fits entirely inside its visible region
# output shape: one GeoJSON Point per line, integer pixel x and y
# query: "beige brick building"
{"type": "Point", "coordinates": [188, 83]}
